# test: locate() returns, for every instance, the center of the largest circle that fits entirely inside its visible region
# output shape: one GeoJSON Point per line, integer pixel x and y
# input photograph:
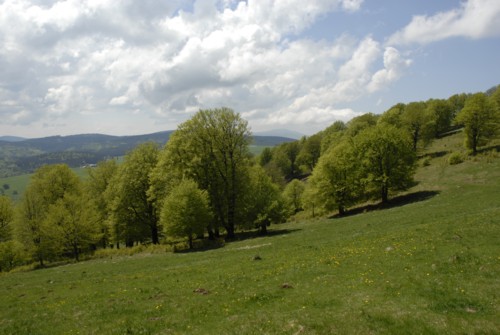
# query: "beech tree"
{"type": "Point", "coordinates": [419, 121]}
{"type": "Point", "coordinates": [335, 183]}
{"type": "Point", "coordinates": [293, 193]}
{"type": "Point", "coordinates": [480, 118]}
{"type": "Point", "coordinates": [185, 211]}
{"type": "Point", "coordinates": [40, 236]}
{"type": "Point", "coordinates": [134, 214]}
{"type": "Point", "coordinates": [386, 158]}
{"type": "Point", "coordinates": [212, 149]}
{"type": "Point", "coordinates": [6, 218]}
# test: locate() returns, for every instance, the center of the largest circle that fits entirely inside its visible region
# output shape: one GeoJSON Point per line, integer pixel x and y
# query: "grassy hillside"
{"type": "Point", "coordinates": [428, 265]}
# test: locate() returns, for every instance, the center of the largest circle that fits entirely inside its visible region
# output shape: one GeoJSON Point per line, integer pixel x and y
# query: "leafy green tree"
{"type": "Point", "coordinates": [264, 203]}
{"type": "Point", "coordinates": [48, 185]}
{"type": "Point", "coordinates": [393, 115]}
{"type": "Point", "coordinates": [457, 102]}
{"type": "Point", "coordinates": [6, 218]}
{"type": "Point", "coordinates": [185, 211]}
{"type": "Point", "coordinates": [359, 123]}
{"type": "Point", "coordinates": [98, 182]}
{"type": "Point", "coordinates": [11, 255]}
{"type": "Point", "coordinates": [419, 121]}
{"type": "Point", "coordinates": [265, 157]}
{"type": "Point", "coordinates": [75, 220]}
{"type": "Point", "coordinates": [293, 193]}
{"type": "Point", "coordinates": [443, 114]}
{"type": "Point", "coordinates": [285, 156]}
{"type": "Point", "coordinates": [480, 118]}
{"type": "Point", "coordinates": [332, 135]}
{"type": "Point", "coordinates": [310, 151]}
{"type": "Point", "coordinates": [335, 183]}
{"type": "Point", "coordinates": [134, 213]}
{"type": "Point", "coordinates": [386, 158]}
{"type": "Point", "coordinates": [212, 149]}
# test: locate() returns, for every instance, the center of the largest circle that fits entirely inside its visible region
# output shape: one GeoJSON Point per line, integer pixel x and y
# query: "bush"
{"type": "Point", "coordinates": [11, 255]}
{"type": "Point", "coordinates": [455, 158]}
{"type": "Point", "coordinates": [426, 161]}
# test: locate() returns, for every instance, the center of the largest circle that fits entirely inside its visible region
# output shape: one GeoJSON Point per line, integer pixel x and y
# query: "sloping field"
{"type": "Point", "coordinates": [428, 265]}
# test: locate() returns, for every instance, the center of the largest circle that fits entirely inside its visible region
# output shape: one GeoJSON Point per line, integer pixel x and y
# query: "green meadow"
{"type": "Point", "coordinates": [427, 264]}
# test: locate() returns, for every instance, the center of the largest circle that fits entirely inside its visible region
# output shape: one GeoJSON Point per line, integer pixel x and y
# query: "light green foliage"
{"type": "Point", "coordinates": [443, 113]}
{"type": "Point", "coordinates": [286, 156]}
{"type": "Point", "coordinates": [134, 214]}
{"type": "Point", "coordinates": [264, 203]}
{"type": "Point", "coordinates": [6, 217]}
{"type": "Point", "coordinates": [265, 157]}
{"type": "Point", "coordinates": [310, 151]}
{"type": "Point", "coordinates": [99, 180]}
{"type": "Point", "coordinates": [293, 194]}
{"type": "Point", "coordinates": [455, 158]}
{"type": "Point", "coordinates": [393, 115]}
{"type": "Point", "coordinates": [75, 220]}
{"type": "Point", "coordinates": [359, 123]}
{"type": "Point", "coordinates": [11, 255]}
{"type": "Point", "coordinates": [457, 102]}
{"type": "Point", "coordinates": [332, 135]}
{"type": "Point", "coordinates": [480, 118]}
{"type": "Point", "coordinates": [49, 184]}
{"type": "Point", "coordinates": [335, 181]}
{"type": "Point", "coordinates": [212, 149]}
{"type": "Point", "coordinates": [185, 212]}
{"type": "Point", "coordinates": [387, 159]}
{"type": "Point", "coordinates": [419, 122]}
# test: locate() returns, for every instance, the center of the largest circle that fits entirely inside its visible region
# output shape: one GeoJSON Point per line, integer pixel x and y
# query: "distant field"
{"type": "Point", "coordinates": [430, 264]}
{"type": "Point", "coordinates": [17, 184]}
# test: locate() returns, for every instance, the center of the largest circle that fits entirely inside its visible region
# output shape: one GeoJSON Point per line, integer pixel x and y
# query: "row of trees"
{"type": "Point", "coordinates": [205, 182]}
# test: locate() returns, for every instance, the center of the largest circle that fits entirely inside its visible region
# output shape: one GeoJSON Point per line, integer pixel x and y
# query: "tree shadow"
{"type": "Point", "coordinates": [489, 148]}
{"type": "Point", "coordinates": [207, 245]}
{"type": "Point", "coordinates": [398, 201]}
{"type": "Point", "coordinates": [436, 154]}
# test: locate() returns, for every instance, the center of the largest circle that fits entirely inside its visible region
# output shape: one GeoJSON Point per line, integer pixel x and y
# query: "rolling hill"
{"type": "Point", "coordinates": [25, 156]}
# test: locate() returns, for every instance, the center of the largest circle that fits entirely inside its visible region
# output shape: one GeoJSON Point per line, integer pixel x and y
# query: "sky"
{"type": "Point", "coordinates": [126, 67]}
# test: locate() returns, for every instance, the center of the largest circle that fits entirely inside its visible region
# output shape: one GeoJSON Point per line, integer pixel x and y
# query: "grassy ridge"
{"type": "Point", "coordinates": [430, 264]}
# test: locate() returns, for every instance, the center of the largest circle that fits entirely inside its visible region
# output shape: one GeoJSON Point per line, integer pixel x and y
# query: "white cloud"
{"type": "Point", "coordinates": [473, 19]}
{"type": "Point", "coordinates": [161, 62]}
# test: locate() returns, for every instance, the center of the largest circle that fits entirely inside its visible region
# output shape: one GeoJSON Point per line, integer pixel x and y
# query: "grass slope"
{"type": "Point", "coordinates": [430, 265]}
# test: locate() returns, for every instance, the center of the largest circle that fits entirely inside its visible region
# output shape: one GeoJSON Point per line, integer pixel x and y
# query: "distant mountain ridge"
{"type": "Point", "coordinates": [25, 156]}
{"type": "Point", "coordinates": [11, 138]}
{"type": "Point", "coordinates": [280, 133]}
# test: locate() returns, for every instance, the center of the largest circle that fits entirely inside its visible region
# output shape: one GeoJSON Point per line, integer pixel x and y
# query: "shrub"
{"type": "Point", "coordinates": [426, 161]}
{"type": "Point", "coordinates": [455, 158]}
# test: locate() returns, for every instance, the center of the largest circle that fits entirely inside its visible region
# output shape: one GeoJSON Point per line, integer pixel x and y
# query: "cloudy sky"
{"type": "Point", "coordinates": [133, 67]}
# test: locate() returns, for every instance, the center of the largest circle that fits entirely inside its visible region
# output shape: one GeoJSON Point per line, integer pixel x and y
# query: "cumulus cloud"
{"type": "Point", "coordinates": [64, 60]}
{"type": "Point", "coordinates": [473, 19]}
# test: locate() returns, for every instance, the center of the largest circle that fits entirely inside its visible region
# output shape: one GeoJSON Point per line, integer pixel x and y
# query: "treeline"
{"type": "Point", "coordinates": [205, 184]}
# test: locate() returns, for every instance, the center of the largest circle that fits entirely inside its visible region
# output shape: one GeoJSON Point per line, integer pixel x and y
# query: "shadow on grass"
{"type": "Point", "coordinates": [398, 201]}
{"type": "Point", "coordinates": [489, 148]}
{"type": "Point", "coordinates": [206, 245]}
{"type": "Point", "coordinates": [436, 154]}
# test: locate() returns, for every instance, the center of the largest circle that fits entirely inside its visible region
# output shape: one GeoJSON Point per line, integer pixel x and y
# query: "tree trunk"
{"type": "Point", "coordinates": [341, 210]}
{"type": "Point", "coordinates": [190, 239]}
{"type": "Point", "coordinates": [385, 192]}
{"type": "Point", "coordinates": [154, 233]}
{"type": "Point", "coordinates": [263, 229]}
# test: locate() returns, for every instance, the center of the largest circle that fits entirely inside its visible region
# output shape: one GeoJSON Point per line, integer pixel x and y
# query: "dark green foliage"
{"type": "Point", "coordinates": [6, 218]}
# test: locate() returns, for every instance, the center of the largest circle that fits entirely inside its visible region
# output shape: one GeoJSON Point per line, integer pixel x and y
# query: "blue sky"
{"type": "Point", "coordinates": [133, 67]}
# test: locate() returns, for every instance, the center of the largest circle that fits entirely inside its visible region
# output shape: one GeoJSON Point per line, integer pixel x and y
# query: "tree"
{"type": "Point", "coordinates": [480, 118]}
{"type": "Point", "coordinates": [310, 151]}
{"type": "Point", "coordinates": [443, 113]}
{"type": "Point", "coordinates": [386, 158]}
{"type": "Point", "coordinates": [48, 185]}
{"type": "Point", "coordinates": [212, 149]}
{"type": "Point", "coordinates": [419, 121]}
{"type": "Point", "coordinates": [75, 220]}
{"type": "Point", "coordinates": [293, 193]}
{"type": "Point", "coordinates": [96, 185]}
{"type": "Point", "coordinates": [134, 213]}
{"type": "Point", "coordinates": [285, 156]}
{"type": "Point", "coordinates": [6, 217]}
{"type": "Point", "coordinates": [332, 135]}
{"type": "Point", "coordinates": [265, 157]}
{"type": "Point", "coordinates": [359, 123]}
{"type": "Point", "coordinates": [264, 203]}
{"type": "Point", "coordinates": [185, 212]}
{"type": "Point", "coordinates": [393, 115]}
{"type": "Point", "coordinates": [335, 183]}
